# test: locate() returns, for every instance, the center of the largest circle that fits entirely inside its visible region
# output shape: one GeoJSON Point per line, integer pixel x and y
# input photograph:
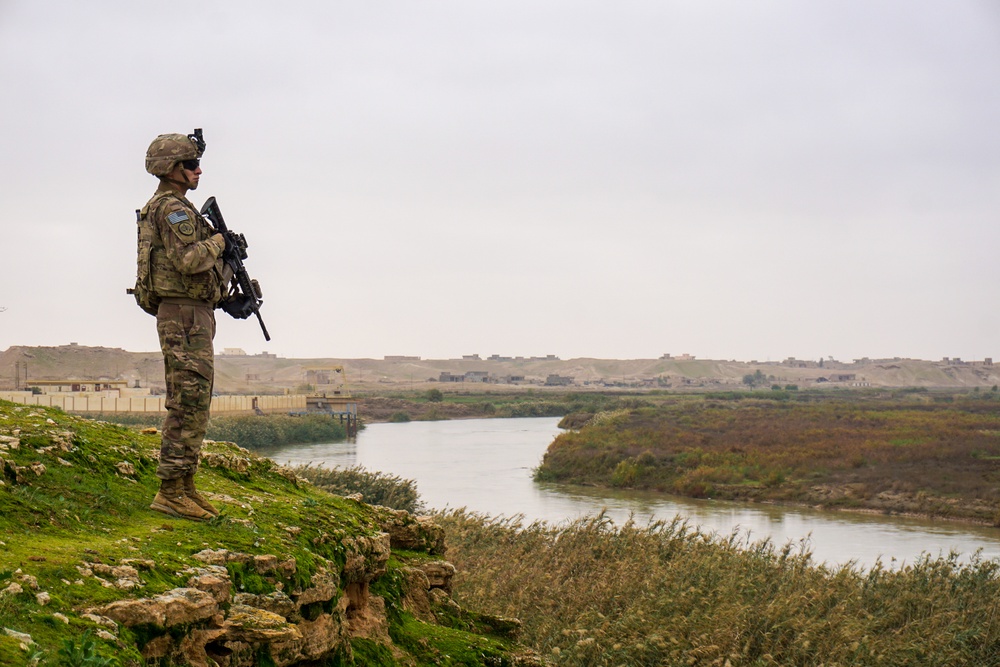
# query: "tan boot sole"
{"type": "Point", "coordinates": [166, 509]}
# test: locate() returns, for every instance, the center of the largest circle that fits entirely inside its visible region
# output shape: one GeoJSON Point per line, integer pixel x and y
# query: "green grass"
{"type": "Point", "coordinates": [86, 507]}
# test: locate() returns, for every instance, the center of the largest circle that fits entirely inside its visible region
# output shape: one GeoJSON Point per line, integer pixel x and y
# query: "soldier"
{"type": "Point", "coordinates": [180, 266]}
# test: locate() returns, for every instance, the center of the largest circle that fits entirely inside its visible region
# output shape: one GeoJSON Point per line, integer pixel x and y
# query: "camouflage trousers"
{"type": "Point", "coordinates": [186, 333]}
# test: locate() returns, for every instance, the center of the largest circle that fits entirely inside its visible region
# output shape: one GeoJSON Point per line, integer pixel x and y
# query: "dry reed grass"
{"type": "Point", "coordinates": [593, 593]}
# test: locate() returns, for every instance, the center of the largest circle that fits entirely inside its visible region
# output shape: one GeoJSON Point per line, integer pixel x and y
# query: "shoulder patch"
{"type": "Point", "coordinates": [177, 216]}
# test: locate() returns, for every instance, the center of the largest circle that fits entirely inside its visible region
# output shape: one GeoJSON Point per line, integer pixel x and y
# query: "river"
{"type": "Point", "coordinates": [485, 465]}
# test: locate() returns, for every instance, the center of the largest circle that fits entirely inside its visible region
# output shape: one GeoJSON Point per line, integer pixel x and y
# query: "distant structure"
{"type": "Point", "coordinates": [469, 376]}
{"type": "Point", "coordinates": [399, 357]}
{"type": "Point", "coordinates": [956, 361]}
{"type": "Point", "coordinates": [240, 352]}
{"type": "Point", "coordinates": [547, 357]}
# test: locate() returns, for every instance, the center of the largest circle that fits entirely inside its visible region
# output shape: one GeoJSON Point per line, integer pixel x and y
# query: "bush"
{"type": "Point", "coordinates": [376, 488]}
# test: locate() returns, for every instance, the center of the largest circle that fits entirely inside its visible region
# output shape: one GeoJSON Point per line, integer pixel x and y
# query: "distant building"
{"type": "Point", "coordinates": [74, 386]}
{"type": "Point", "coordinates": [469, 376]}
{"type": "Point", "coordinates": [399, 357]}
{"type": "Point", "coordinates": [233, 352]}
{"type": "Point", "coordinates": [554, 380]}
{"type": "Point", "coordinates": [799, 363]}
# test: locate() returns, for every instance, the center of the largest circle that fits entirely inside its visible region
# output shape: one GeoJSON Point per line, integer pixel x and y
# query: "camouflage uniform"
{"type": "Point", "coordinates": [180, 278]}
{"type": "Point", "coordinates": [187, 275]}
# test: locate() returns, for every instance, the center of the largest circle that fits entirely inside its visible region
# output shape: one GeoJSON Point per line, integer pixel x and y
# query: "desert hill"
{"type": "Point", "coordinates": [242, 373]}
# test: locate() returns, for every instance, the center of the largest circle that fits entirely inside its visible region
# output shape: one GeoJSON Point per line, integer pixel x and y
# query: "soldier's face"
{"type": "Point", "coordinates": [189, 177]}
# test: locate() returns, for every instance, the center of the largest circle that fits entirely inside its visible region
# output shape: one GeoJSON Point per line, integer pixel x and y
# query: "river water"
{"type": "Point", "coordinates": [485, 465]}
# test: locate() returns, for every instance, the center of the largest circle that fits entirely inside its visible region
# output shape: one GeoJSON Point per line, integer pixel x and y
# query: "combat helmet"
{"type": "Point", "coordinates": [169, 149]}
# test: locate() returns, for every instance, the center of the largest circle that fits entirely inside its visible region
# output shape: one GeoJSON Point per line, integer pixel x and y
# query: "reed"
{"type": "Point", "coordinates": [591, 593]}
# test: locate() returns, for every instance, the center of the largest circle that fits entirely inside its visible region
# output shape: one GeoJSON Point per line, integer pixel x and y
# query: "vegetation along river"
{"type": "Point", "coordinates": [486, 466]}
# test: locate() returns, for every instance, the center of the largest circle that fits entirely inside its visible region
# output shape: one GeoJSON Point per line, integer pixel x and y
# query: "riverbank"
{"type": "Point", "coordinates": [903, 455]}
{"type": "Point", "coordinates": [595, 592]}
{"type": "Point", "coordinates": [435, 405]}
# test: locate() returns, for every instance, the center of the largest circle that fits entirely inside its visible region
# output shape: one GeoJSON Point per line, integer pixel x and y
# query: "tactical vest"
{"type": "Point", "coordinates": [156, 277]}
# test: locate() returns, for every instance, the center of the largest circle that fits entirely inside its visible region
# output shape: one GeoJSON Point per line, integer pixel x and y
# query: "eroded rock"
{"type": "Point", "coordinates": [439, 574]}
{"type": "Point", "coordinates": [181, 606]}
{"type": "Point", "coordinates": [412, 533]}
{"type": "Point", "coordinates": [255, 626]}
{"type": "Point", "coordinates": [323, 587]}
{"type": "Point", "coordinates": [276, 603]}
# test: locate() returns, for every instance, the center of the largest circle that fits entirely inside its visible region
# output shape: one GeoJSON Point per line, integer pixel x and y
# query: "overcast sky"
{"type": "Point", "coordinates": [731, 179]}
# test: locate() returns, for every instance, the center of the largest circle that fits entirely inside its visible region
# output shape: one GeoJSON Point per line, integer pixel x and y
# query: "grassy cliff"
{"type": "Point", "coordinates": [287, 575]}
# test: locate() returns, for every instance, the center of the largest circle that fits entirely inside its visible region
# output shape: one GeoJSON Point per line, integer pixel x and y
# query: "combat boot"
{"type": "Point", "coordinates": [170, 499]}
{"type": "Point", "coordinates": [198, 499]}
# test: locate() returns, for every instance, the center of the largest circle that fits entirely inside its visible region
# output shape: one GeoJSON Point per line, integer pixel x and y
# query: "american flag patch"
{"type": "Point", "coordinates": [177, 216]}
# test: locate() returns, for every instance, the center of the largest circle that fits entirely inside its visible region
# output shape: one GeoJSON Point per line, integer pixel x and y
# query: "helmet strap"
{"type": "Point", "coordinates": [182, 185]}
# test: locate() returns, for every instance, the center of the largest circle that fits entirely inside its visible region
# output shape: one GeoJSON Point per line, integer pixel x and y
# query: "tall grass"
{"type": "Point", "coordinates": [249, 431]}
{"type": "Point", "coordinates": [253, 431]}
{"type": "Point", "coordinates": [593, 593]}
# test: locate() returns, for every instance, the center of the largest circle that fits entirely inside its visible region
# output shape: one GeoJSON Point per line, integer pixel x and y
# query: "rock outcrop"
{"type": "Point", "coordinates": [208, 621]}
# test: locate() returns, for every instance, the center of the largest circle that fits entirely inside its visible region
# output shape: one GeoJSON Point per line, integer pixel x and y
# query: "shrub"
{"type": "Point", "coordinates": [376, 488]}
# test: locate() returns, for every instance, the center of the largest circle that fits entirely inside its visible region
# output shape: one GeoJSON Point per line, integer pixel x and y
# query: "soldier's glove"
{"type": "Point", "coordinates": [239, 306]}
{"type": "Point", "coordinates": [256, 289]}
{"type": "Point", "coordinates": [236, 246]}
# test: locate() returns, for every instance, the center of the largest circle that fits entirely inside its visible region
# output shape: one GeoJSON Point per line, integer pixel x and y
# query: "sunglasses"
{"type": "Point", "coordinates": [190, 165]}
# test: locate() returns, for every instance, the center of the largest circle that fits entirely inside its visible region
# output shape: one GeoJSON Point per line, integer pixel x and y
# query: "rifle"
{"type": "Point", "coordinates": [244, 294]}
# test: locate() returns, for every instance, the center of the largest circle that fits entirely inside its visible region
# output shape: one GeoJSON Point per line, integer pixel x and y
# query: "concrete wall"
{"type": "Point", "coordinates": [97, 403]}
